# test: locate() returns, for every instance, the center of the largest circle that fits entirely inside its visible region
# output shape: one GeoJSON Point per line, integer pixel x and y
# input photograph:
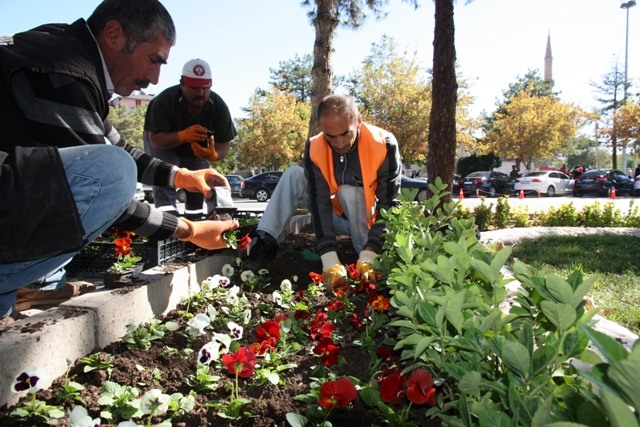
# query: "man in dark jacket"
{"type": "Point", "coordinates": [65, 173]}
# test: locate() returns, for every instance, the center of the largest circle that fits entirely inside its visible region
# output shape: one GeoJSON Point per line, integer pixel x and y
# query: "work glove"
{"type": "Point", "coordinates": [364, 265]}
{"type": "Point", "coordinates": [208, 234]}
{"type": "Point", "coordinates": [332, 269]}
{"type": "Point", "coordinates": [194, 133]}
{"type": "Point", "coordinates": [208, 153]}
{"type": "Point", "coordinates": [199, 181]}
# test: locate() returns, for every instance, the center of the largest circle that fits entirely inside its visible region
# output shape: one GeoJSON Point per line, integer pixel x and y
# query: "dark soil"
{"type": "Point", "coordinates": [269, 404]}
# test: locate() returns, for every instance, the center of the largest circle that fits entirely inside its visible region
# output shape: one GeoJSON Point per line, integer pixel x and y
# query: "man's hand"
{"type": "Point", "coordinates": [332, 274]}
{"type": "Point", "coordinates": [200, 181]}
{"type": "Point", "coordinates": [208, 153]}
{"type": "Point", "coordinates": [194, 133]}
{"type": "Point", "coordinates": [365, 264]}
{"type": "Point", "coordinates": [208, 234]}
{"type": "Point", "coordinates": [332, 269]}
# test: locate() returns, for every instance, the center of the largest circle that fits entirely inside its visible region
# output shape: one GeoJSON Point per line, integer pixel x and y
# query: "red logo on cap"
{"type": "Point", "coordinates": [198, 70]}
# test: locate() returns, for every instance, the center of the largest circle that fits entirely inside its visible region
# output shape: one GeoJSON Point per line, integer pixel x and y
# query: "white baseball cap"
{"type": "Point", "coordinates": [196, 73]}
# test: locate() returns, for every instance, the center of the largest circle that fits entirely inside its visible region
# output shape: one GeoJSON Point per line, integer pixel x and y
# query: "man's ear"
{"type": "Point", "coordinates": [112, 37]}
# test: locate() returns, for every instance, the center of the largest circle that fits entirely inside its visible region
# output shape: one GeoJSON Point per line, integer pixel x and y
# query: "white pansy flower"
{"type": "Point", "coordinates": [212, 313]}
{"type": "Point", "coordinates": [128, 424]}
{"type": "Point", "coordinates": [79, 417]}
{"type": "Point", "coordinates": [277, 297]}
{"type": "Point", "coordinates": [227, 270]}
{"type": "Point", "coordinates": [263, 272]}
{"type": "Point", "coordinates": [224, 340]}
{"type": "Point", "coordinates": [295, 278]}
{"type": "Point", "coordinates": [155, 402]}
{"type": "Point", "coordinates": [30, 380]}
{"type": "Point", "coordinates": [196, 325]}
{"type": "Point", "coordinates": [236, 330]}
{"type": "Point", "coordinates": [246, 316]}
{"type": "Point", "coordinates": [247, 275]}
{"type": "Point", "coordinates": [286, 286]}
{"type": "Point", "coordinates": [209, 352]}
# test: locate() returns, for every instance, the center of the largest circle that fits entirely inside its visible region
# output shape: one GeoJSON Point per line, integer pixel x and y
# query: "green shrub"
{"type": "Point", "coordinates": [502, 214]}
{"type": "Point", "coordinates": [495, 368]}
{"type": "Point", "coordinates": [565, 215]}
{"type": "Point", "coordinates": [483, 214]}
{"type": "Point", "coordinates": [521, 218]}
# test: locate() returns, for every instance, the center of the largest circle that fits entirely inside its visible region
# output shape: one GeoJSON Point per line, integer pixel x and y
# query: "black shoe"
{"type": "Point", "coordinates": [262, 249]}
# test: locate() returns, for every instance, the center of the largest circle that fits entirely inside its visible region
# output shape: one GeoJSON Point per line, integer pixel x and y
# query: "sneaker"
{"type": "Point", "coordinates": [262, 249]}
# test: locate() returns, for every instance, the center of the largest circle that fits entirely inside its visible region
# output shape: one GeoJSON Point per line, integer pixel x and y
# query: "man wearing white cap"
{"type": "Point", "coordinates": [190, 126]}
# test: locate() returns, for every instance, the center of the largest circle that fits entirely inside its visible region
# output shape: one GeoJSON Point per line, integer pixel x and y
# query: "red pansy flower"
{"type": "Point", "coordinates": [385, 352]}
{"type": "Point", "coordinates": [327, 351]}
{"type": "Point", "coordinates": [280, 318]}
{"type": "Point", "coordinates": [392, 386]}
{"type": "Point", "coordinates": [340, 287]}
{"type": "Point", "coordinates": [244, 242]}
{"type": "Point", "coordinates": [317, 278]}
{"type": "Point", "coordinates": [301, 314]}
{"type": "Point", "coordinates": [260, 348]}
{"type": "Point", "coordinates": [419, 388]}
{"type": "Point", "coordinates": [336, 305]}
{"type": "Point", "coordinates": [242, 362]}
{"type": "Point", "coordinates": [353, 272]}
{"type": "Point", "coordinates": [356, 322]}
{"type": "Point", "coordinates": [337, 393]}
{"type": "Point", "coordinates": [268, 329]}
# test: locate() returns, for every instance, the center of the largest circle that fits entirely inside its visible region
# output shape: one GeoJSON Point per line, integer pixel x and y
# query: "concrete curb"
{"type": "Point", "coordinates": [51, 339]}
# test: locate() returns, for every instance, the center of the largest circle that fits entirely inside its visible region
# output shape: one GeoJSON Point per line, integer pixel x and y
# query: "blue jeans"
{"type": "Point", "coordinates": [292, 193]}
{"type": "Point", "coordinates": [102, 180]}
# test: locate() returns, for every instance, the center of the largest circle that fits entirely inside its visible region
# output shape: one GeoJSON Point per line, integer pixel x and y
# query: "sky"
{"type": "Point", "coordinates": [497, 41]}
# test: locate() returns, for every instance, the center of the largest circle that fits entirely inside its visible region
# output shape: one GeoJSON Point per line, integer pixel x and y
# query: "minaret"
{"type": "Point", "coordinates": [548, 60]}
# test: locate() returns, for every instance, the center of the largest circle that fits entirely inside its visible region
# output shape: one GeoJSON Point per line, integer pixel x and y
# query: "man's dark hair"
{"type": "Point", "coordinates": [141, 20]}
{"type": "Point", "coordinates": [342, 105]}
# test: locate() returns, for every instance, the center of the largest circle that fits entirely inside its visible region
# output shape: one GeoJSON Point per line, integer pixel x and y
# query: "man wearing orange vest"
{"type": "Point", "coordinates": [351, 171]}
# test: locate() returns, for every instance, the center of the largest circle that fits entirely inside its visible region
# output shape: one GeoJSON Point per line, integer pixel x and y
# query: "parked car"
{"type": "Point", "coordinates": [601, 181]}
{"type": "Point", "coordinates": [636, 186]}
{"type": "Point", "coordinates": [419, 183]}
{"type": "Point", "coordinates": [548, 183]}
{"type": "Point", "coordinates": [260, 186]}
{"type": "Point", "coordinates": [234, 182]}
{"type": "Point", "coordinates": [487, 183]}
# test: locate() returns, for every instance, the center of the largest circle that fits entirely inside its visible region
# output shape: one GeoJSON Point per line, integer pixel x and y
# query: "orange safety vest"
{"type": "Point", "coordinates": [372, 151]}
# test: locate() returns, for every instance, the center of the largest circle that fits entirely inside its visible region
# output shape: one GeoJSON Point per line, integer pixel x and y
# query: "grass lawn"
{"type": "Point", "coordinates": [614, 260]}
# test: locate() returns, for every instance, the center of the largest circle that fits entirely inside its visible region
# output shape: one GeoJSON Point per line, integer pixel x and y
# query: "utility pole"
{"type": "Point", "coordinates": [626, 5]}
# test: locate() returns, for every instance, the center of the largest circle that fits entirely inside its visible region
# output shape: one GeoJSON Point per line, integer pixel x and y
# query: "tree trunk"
{"type": "Point", "coordinates": [325, 24]}
{"type": "Point", "coordinates": [442, 124]}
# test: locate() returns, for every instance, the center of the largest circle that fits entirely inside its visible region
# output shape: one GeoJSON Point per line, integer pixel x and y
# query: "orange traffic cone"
{"type": "Point", "coordinates": [521, 195]}
{"type": "Point", "coordinates": [612, 193]}
{"type": "Point", "coordinates": [461, 196]}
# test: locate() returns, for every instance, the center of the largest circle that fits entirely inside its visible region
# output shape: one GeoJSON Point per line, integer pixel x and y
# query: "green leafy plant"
{"type": "Point", "coordinates": [121, 403]}
{"type": "Point", "coordinates": [142, 335]}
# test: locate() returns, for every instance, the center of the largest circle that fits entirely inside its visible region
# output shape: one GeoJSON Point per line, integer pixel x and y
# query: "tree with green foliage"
{"type": "Point", "coordinates": [611, 98]}
{"type": "Point", "coordinates": [294, 76]}
{"type": "Point", "coordinates": [326, 16]}
{"type": "Point", "coordinates": [129, 122]}
{"type": "Point", "coordinates": [532, 127]}
{"type": "Point", "coordinates": [394, 92]}
{"type": "Point", "coordinates": [275, 130]}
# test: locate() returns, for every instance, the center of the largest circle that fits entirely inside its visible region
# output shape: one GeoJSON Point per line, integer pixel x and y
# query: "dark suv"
{"type": "Point", "coordinates": [487, 183]}
{"type": "Point", "coordinates": [261, 186]}
{"type": "Point", "coordinates": [600, 181]}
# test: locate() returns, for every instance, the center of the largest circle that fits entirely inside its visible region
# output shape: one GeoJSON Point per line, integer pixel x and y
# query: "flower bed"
{"type": "Point", "coordinates": [426, 344]}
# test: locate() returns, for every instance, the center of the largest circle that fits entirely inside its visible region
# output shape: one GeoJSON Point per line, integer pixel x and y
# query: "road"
{"type": "Point", "coordinates": [531, 204]}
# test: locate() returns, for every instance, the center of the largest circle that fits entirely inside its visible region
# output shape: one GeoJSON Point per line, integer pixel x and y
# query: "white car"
{"type": "Point", "coordinates": [636, 186]}
{"type": "Point", "coordinates": [549, 183]}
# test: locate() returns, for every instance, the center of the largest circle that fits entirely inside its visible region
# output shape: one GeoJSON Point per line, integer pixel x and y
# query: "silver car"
{"type": "Point", "coordinates": [549, 183]}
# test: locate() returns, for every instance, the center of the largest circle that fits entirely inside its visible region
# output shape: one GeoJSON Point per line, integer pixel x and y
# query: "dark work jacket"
{"type": "Point", "coordinates": [38, 216]}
